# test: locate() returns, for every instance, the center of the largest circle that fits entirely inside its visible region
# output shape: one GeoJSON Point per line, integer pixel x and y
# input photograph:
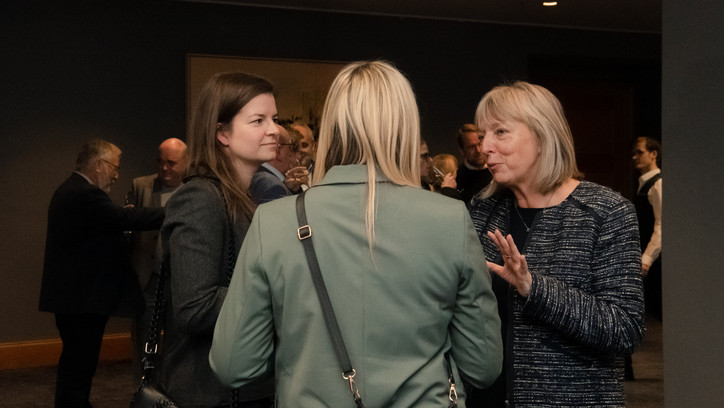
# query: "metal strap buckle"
{"type": "Point", "coordinates": [148, 350]}
{"type": "Point", "coordinates": [304, 232]}
{"type": "Point", "coordinates": [349, 376]}
{"type": "Point", "coordinates": [453, 394]}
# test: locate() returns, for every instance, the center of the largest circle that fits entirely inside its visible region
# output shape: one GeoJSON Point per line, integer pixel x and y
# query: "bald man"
{"type": "Point", "coordinates": [153, 191]}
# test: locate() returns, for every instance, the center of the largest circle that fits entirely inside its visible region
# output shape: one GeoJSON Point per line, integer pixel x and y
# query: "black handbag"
{"type": "Point", "coordinates": [152, 395]}
{"type": "Point", "coordinates": [304, 233]}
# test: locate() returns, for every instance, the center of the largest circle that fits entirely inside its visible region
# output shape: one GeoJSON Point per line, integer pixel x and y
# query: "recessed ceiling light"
{"type": "Point", "coordinates": [550, 3]}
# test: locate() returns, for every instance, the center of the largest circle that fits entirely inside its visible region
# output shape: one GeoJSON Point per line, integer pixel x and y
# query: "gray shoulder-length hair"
{"type": "Point", "coordinates": [540, 110]}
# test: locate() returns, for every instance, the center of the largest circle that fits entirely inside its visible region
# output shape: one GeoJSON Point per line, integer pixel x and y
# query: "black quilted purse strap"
{"type": "Point", "coordinates": [159, 304]}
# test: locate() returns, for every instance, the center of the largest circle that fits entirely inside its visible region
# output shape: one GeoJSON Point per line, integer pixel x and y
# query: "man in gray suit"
{"type": "Point", "coordinates": [153, 191]}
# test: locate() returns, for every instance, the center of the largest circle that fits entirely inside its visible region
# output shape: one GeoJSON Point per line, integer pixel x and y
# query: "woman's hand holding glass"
{"type": "Point", "coordinates": [449, 181]}
{"type": "Point", "coordinates": [443, 179]}
{"type": "Point", "coordinates": [515, 268]}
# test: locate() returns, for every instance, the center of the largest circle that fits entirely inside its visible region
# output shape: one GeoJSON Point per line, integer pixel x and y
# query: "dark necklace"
{"type": "Point", "coordinates": [527, 228]}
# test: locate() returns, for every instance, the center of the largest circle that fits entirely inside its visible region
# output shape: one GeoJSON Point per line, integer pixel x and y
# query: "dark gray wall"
{"type": "Point", "coordinates": [76, 69]}
{"type": "Point", "coordinates": [693, 121]}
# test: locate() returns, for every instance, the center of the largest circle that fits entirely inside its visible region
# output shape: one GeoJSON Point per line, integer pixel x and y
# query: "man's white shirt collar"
{"type": "Point", "coordinates": [647, 176]}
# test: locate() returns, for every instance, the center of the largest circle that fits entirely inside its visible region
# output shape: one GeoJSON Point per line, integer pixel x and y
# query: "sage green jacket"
{"type": "Point", "coordinates": [423, 290]}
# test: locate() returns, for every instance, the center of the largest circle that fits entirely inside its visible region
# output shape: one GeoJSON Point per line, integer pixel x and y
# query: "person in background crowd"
{"type": "Point", "coordinates": [429, 175]}
{"type": "Point", "coordinates": [233, 131]}
{"type": "Point", "coordinates": [565, 254]}
{"type": "Point", "coordinates": [445, 167]}
{"type": "Point", "coordinates": [473, 174]}
{"type": "Point", "coordinates": [308, 144]}
{"type": "Point", "coordinates": [399, 314]}
{"type": "Point", "coordinates": [267, 184]}
{"type": "Point", "coordinates": [152, 191]}
{"type": "Point", "coordinates": [297, 177]}
{"type": "Point", "coordinates": [87, 274]}
{"type": "Point", "coordinates": [426, 174]}
{"type": "Point", "coordinates": [648, 202]}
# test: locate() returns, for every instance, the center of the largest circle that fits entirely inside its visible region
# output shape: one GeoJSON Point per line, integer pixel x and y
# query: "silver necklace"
{"type": "Point", "coordinates": [527, 228]}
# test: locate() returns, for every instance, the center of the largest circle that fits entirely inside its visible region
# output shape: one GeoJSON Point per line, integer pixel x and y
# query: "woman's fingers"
{"type": "Point", "coordinates": [505, 245]}
{"type": "Point", "coordinates": [511, 246]}
{"type": "Point", "coordinates": [494, 267]}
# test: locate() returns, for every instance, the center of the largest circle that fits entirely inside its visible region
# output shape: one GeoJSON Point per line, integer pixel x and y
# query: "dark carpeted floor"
{"type": "Point", "coordinates": [114, 383]}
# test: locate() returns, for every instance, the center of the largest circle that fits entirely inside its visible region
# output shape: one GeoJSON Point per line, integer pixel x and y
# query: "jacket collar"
{"type": "Point", "coordinates": [86, 178]}
{"type": "Point", "coordinates": [350, 174]}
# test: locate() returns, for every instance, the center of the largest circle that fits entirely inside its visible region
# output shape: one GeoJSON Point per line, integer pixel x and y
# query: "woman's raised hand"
{"type": "Point", "coordinates": [515, 268]}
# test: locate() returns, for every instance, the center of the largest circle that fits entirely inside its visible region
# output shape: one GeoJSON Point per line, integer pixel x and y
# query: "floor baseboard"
{"type": "Point", "coordinates": [38, 353]}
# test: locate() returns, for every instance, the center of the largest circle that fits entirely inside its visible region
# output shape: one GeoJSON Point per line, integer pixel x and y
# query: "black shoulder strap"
{"type": "Point", "coordinates": [304, 233]}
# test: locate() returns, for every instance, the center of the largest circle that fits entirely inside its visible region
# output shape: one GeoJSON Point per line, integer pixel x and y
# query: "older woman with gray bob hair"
{"type": "Point", "coordinates": [403, 267]}
{"type": "Point", "coordinates": [565, 255]}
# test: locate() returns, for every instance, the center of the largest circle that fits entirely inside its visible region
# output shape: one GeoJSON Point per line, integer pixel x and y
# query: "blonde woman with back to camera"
{"type": "Point", "coordinates": [565, 253]}
{"type": "Point", "coordinates": [403, 267]}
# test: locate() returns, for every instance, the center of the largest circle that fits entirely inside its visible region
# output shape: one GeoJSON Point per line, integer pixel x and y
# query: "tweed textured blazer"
{"type": "Point", "coordinates": [566, 341]}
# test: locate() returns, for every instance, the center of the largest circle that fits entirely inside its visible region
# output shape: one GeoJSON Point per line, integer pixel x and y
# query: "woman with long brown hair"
{"type": "Point", "coordinates": [233, 131]}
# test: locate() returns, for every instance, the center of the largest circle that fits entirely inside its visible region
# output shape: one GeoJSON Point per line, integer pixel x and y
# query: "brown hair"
{"type": "Point", "coordinates": [221, 98]}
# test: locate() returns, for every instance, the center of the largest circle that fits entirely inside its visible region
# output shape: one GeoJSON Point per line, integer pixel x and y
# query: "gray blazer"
{"type": "Point", "coordinates": [196, 242]}
{"type": "Point", "coordinates": [144, 243]}
{"type": "Point", "coordinates": [423, 290]}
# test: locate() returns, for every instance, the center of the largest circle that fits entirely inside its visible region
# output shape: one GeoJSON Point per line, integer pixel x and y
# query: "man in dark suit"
{"type": "Point", "coordinates": [87, 276]}
{"type": "Point", "coordinates": [473, 174]}
{"type": "Point", "coordinates": [152, 191]}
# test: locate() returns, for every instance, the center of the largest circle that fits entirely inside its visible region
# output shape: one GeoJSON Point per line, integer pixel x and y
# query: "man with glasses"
{"type": "Point", "coordinates": [426, 176]}
{"type": "Point", "coordinates": [87, 275]}
{"type": "Point", "coordinates": [273, 179]}
{"type": "Point", "coordinates": [473, 174]}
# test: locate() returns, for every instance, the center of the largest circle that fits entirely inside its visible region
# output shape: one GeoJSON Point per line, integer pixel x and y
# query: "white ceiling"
{"type": "Point", "coordinates": [608, 15]}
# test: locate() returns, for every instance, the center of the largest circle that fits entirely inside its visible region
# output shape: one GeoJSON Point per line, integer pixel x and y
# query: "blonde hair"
{"type": "Point", "coordinates": [221, 98]}
{"type": "Point", "coordinates": [542, 113]}
{"type": "Point", "coordinates": [446, 162]}
{"type": "Point", "coordinates": [370, 117]}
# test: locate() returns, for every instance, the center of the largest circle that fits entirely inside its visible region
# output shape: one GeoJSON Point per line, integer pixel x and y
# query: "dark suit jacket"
{"type": "Point", "coordinates": [87, 267]}
{"type": "Point", "coordinates": [265, 186]}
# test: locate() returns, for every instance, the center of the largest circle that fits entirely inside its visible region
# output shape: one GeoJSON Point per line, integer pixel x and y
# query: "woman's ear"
{"type": "Point", "coordinates": [222, 135]}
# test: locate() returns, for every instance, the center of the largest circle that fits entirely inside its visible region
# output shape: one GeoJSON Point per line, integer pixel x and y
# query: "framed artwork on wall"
{"type": "Point", "coordinates": [300, 86]}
